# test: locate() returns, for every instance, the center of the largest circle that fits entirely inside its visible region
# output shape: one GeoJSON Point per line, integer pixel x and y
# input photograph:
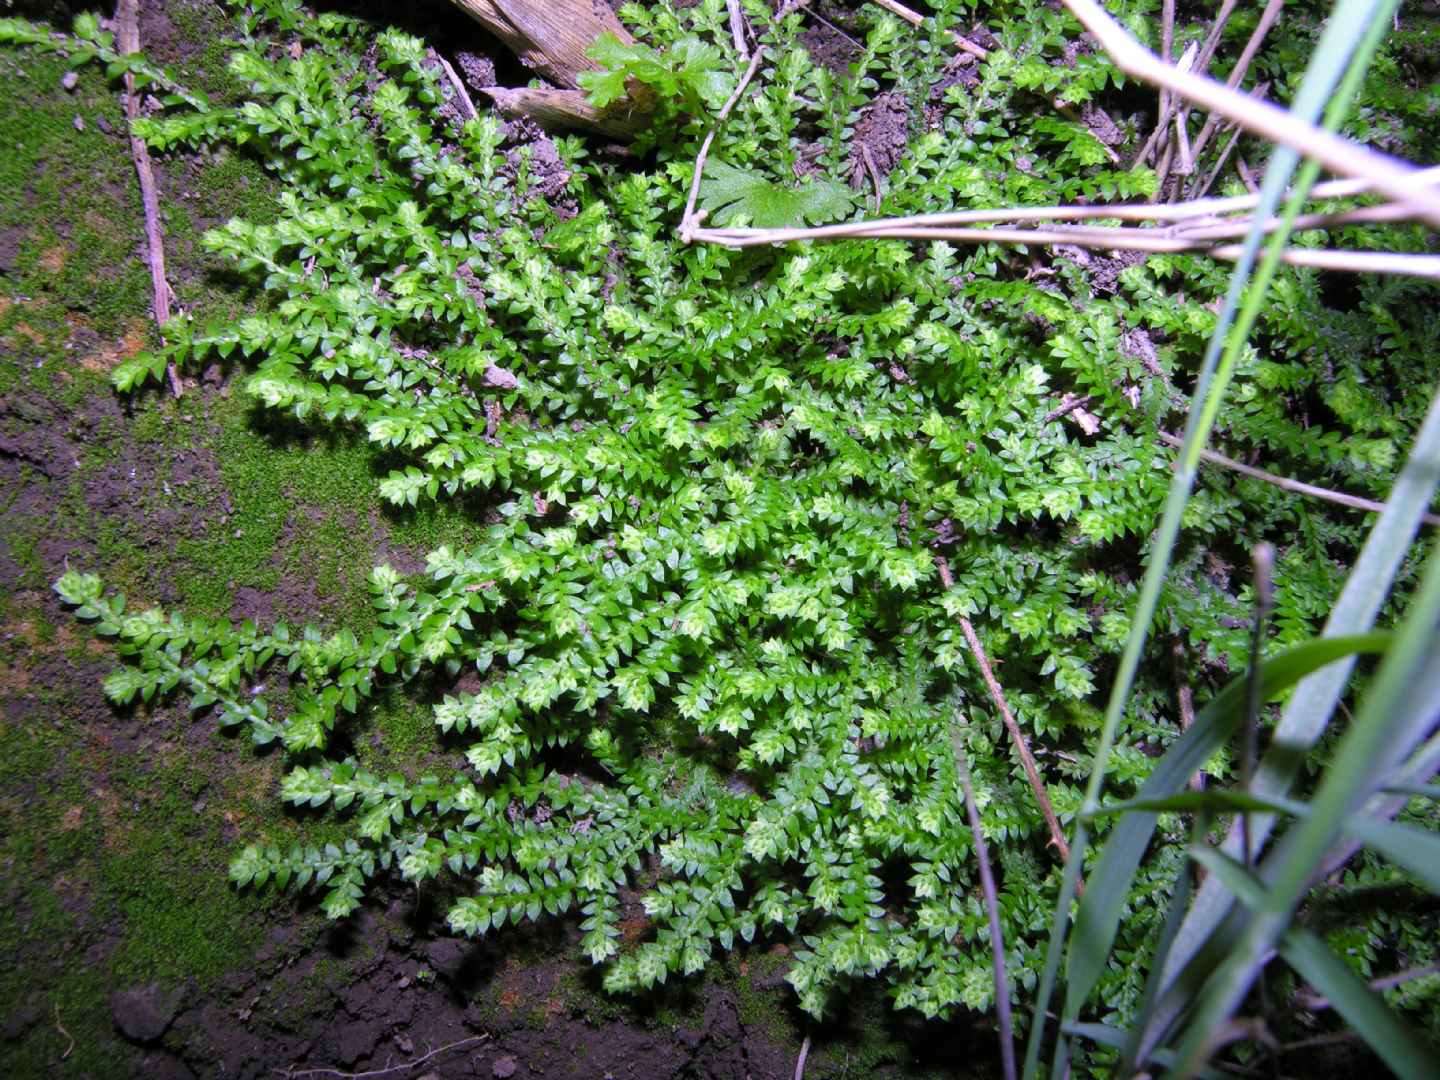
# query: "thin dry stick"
{"type": "Point", "coordinates": [1235, 132]}
{"type": "Point", "coordinates": [1162, 125]}
{"type": "Point", "coordinates": [992, 914]}
{"type": "Point", "coordinates": [1315, 1003]}
{"type": "Point", "coordinates": [458, 84]}
{"type": "Point", "coordinates": [690, 221]}
{"type": "Point", "coordinates": [1304, 222]}
{"type": "Point", "coordinates": [1150, 240]}
{"type": "Point", "coordinates": [1067, 406]}
{"type": "Point", "coordinates": [1198, 209]}
{"type": "Point", "coordinates": [1388, 175]}
{"type": "Point", "coordinates": [1132, 212]}
{"type": "Point", "coordinates": [1224, 157]}
{"type": "Point", "coordinates": [127, 34]}
{"type": "Point", "coordinates": [1355, 502]}
{"type": "Point", "coordinates": [1246, 175]}
{"type": "Point", "coordinates": [1212, 39]}
{"type": "Point", "coordinates": [61, 1029]}
{"type": "Point", "coordinates": [1194, 59]}
{"type": "Point", "coordinates": [1185, 698]}
{"type": "Point", "coordinates": [1242, 66]}
{"type": "Point", "coordinates": [292, 1072]}
{"type": "Point", "coordinates": [800, 1061]}
{"type": "Point", "coordinates": [869, 159]}
{"type": "Point", "coordinates": [914, 18]}
{"type": "Point", "coordinates": [737, 28]}
{"type": "Point", "coordinates": [1167, 48]}
{"type": "Point", "coordinates": [1027, 759]}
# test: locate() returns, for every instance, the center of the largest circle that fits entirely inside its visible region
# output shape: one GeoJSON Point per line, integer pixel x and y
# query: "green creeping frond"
{"type": "Point", "coordinates": [88, 43]}
{"type": "Point", "coordinates": [705, 649]}
{"type": "Point", "coordinates": [734, 196]}
{"type": "Point", "coordinates": [689, 72]}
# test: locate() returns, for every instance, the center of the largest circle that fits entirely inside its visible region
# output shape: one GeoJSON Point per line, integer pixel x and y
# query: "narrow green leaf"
{"type": "Point", "coordinates": [1109, 883]}
{"type": "Point", "coordinates": [1401, 1047]}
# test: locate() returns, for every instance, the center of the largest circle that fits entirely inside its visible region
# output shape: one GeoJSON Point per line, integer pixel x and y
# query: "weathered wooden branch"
{"type": "Point", "coordinates": [568, 109]}
{"type": "Point", "coordinates": [550, 36]}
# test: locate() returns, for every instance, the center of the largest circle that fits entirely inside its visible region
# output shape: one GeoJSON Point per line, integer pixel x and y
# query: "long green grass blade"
{"type": "Point", "coordinates": [1395, 1041]}
{"type": "Point", "coordinates": [1216, 801]}
{"type": "Point", "coordinates": [1100, 911]}
{"type": "Point", "coordinates": [1237, 878]}
{"type": "Point", "coordinates": [1109, 1035]}
{"type": "Point", "coordinates": [1367, 749]}
{"type": "Point", "coordinates": [1415, 849]}
{"type": "Point", "coordinates": [1309, 710]}
{"type": "Point", "coordinates": [1174, 913]}
{"type": "Point", "coordinates": [1214, 375]}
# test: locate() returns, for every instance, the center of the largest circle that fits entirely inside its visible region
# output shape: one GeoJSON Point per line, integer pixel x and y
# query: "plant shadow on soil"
{"type": "Point", "coordinates": [129, 952]}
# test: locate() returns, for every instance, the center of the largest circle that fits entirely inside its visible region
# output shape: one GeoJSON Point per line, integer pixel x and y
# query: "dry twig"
{"type": "Point", "coordinates": [1027, 759]}
{"type": "Point", "coordinates": [292, 1072]}
{"type": "Point", "coordinates": [1203, 189]}
{"type": "Point", "coordinates": [1340, 498]}
{"type": "Point", "coordinates": [127, 34]}
{"type": "Point", "coordinates": [800, 1061]}
{"type": "Point", "coordinates": [1392, 177]}
{"type": "Point", "coordinates": [737, 28]}
{"type": "Point", "coordinates": [992, 915]}
{"type": "Point", "coordinates": [453, 77]}
{"type": "Point", "coordinates": [1185, 698]}
{"type": "Point", "coordinates": [1242, 66]}
{"type": "Point", "coordinates": [1414, 190]}
{"type": "Point", "coordinates": [61, 1029]}
{"type": "Point", "coordinates": [1307, 999]}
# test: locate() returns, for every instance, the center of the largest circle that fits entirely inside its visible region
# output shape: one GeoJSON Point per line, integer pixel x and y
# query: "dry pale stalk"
{"type": "Point", "coordinates": [1385, 174]}
{"type": "Point", "coordinates": [997, 696]}
{"type": "Point", "coordinates": [458, 85]}
{"type": "Point", "coordinates": [127, 39]}
{"type": "Point", "coordinates": [1299, 487]}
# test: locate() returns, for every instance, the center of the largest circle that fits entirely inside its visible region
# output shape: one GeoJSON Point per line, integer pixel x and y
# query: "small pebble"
{"type": "Point", "coordinates": [78, 122]}
{"type": "Point", "coordinates": [70, 80]}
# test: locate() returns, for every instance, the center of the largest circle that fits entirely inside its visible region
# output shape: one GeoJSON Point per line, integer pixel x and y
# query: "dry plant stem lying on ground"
{"type": "Point", "coordinates": [800, 1061]}
{"type": "Point", "coordinates": [1391, 177]}
{"type": "Point", "coordinates": [458, 85]}
{"type": "Point", "coordinates": [127, 27]}
{"type": "Point", "coordinates": [1027, 759]}
{"type": "Point", "coordinates": [389, 1070]}
{"type": "Point", "coordinates": [1268, 18]}
{"type": "Point", "coordinates": [1298, 486]}
{"type": "Point", "coordinates": [1414, 190]}
{"type": "Point", "coordinates": [964, 44]}
{"type": "Point", "coordinates": [992, 915]}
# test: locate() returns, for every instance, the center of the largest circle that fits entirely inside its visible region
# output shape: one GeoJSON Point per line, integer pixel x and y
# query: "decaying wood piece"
{"type": "Point", "coordinates": [568, 109]}
{"type": "Point", "coordinates": [550, 36]}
